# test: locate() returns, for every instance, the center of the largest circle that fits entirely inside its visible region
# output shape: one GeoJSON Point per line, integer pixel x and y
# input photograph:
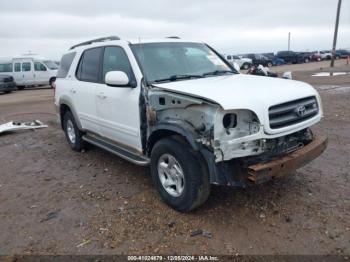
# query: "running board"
{"type": "Point", "coordinates": [117, 150]}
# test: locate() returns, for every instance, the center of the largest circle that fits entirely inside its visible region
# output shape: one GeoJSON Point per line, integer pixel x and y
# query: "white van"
{"type": "Point", "coordinates": [29, 71]}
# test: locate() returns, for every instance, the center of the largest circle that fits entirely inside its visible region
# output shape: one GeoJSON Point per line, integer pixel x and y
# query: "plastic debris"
{"type": "Point", "coordinates": [85, 242]}
{"type": "Point", "coordinates": [15, 126]}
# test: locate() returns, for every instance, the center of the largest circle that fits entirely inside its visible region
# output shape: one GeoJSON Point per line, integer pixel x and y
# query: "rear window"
{"type": "Point", "coordinates": [89, 65]}
{"type": "Point", "coordinates": [6, 68]}
{"type": "Point", "coordinates": [65, 64]}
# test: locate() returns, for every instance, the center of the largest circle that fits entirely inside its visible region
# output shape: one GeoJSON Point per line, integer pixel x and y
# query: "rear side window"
{"type": "Point", "coordinates": [89, 65]}
{"type": "Point", "coordinates": [65, 64]}
{"type": "Point", "coordinates": [115, 59]}
{"type": "Point", "coordinates": [17, 67]}
{"type": "Point", "coordinates": [5, 68]}
{"type": "Point", "coordinates": [27, 66]}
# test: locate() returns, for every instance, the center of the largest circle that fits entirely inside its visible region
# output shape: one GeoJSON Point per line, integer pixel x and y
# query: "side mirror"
{"type": "Point", "coordinates": [118, 78]}
{"type": "Point", "coordinates": [236, 67]}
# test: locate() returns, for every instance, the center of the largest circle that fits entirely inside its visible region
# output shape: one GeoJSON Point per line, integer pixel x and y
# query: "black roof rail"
{"type": "Point", "coordinates": [173, 37]}
{"type": "Point", "coordinates": [102, 39]}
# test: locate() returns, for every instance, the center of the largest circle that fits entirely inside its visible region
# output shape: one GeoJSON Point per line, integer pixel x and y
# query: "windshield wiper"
{"type": "Point", "coordinates": [218, 72]}
{"type": "Point", "coordinates": [178, 77]}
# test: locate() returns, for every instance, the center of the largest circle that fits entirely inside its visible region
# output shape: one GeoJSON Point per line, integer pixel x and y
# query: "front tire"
{"type": "Point", "coordinates": [73, 135]}
{"type": "Point", "coordinates": [52, 82]}
{"type": "Point", "coordinates": [245, 66]}
{"type": "Point", "coordinates": [179, 175]}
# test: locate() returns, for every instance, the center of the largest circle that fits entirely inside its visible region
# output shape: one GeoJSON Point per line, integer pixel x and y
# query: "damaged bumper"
{"type": "Point", "coordinates": [261, 172]}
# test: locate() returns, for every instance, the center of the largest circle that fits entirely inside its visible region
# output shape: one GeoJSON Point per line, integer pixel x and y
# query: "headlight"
{"type": "Point", "coordinates": [236, 123]}
{"type": "Point", "coordinates": [229, 121]}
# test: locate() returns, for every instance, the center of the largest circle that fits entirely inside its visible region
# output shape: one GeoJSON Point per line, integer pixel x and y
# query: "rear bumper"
{"type": "Point", "coordinates": [7, 86]}
{"type": "Point", "coordinates": [261, 172]}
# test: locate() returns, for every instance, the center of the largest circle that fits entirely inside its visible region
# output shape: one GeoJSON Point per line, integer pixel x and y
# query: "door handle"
{"type": "Point", "coordinates": [102, 96]}
{"type": "Point", "coordinates": [73, 91]}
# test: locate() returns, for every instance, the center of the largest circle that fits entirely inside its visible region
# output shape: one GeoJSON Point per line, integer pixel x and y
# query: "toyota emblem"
{"type": "Point", "coordinates": [300, 111]}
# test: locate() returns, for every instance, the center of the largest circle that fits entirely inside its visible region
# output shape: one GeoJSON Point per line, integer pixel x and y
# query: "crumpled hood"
{"type": "Point", "coordinates": [239, 91]}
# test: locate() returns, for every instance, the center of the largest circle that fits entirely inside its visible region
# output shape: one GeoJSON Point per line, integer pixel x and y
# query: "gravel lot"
{"type": "Point", "coordinates": [56, 201]}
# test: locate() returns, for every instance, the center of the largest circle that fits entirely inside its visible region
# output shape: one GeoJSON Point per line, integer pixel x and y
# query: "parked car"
{"type": "Point", "coordinates": [316, 56]}
{"type": "Point", "coordinates": [181, 108]}
{"type": "Point", "coordinates": [343, 53]}
{"type": "Point", "coordinates": [244, 63]}
{"type": "Point", "coordinates": [29, 71]}
{"type": "Point", "coordinates": [327, 55]}
{"type": "Point", "coordinates": [276, 61]}
{"type": "Point", "coordinates": [7, 84]}
{"type": "Point", "coordinates": [294, 57]}
{"type": "Point", "coordinates": [258, 59]}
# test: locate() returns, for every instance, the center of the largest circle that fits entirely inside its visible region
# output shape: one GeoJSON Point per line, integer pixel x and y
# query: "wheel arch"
{"type": "Point", "coordinates": [181, 129]}
{"type": "Point", "coordinates": [66, 105]}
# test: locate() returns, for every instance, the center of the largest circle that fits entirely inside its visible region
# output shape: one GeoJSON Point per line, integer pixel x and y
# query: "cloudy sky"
{"type": "Point", "coordinates": [230, 26]}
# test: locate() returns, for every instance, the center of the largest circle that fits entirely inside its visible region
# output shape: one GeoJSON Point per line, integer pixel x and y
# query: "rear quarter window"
{"type": "Point", "coordinates": [65, 64]}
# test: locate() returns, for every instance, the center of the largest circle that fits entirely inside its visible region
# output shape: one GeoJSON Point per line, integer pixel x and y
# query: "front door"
{"type": "Point", "coordinates": [40, 74]}
{"type": "Point", "coordinates": [118, 107]}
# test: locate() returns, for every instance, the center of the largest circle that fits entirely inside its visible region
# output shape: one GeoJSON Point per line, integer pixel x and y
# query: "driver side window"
{"type": "Point", "coordinates": [115, 59]}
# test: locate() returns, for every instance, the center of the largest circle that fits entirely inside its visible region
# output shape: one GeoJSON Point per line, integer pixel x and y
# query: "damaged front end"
{"type": "Point", "coordinates": [232, 142]}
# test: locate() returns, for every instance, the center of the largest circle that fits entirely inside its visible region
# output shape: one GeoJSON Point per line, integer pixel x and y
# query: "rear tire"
{"type": "Point", "coordinates": [179, 175]}
{"type": "Point", "coordinates": [20, 87]}
{"type": "Point", "coordinates": [73, 135]}
{"type": "Point", "coordinates": [269, 64]}
{"type": "Point", "coordinates": [7, 92]}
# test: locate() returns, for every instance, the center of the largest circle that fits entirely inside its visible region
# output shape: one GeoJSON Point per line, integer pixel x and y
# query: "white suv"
{"type": "Point", "coordinates": [181, 108]}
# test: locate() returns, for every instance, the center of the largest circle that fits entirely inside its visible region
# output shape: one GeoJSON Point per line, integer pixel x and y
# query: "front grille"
{"type": "Point", "coordinates": [293, 112]}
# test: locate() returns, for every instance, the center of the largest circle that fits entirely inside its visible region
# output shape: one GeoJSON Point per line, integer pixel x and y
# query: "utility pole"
{"type": "Point", "coordinates": [335, 33]}
{"type": "Point", "coordinates": [288, 41]}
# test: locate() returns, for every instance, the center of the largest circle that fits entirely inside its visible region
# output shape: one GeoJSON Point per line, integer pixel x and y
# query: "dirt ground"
{"type": "Point", "coordinates": [56, 201]}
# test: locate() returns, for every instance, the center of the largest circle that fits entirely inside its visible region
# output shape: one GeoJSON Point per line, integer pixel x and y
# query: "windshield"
{"type": "Point", "coordinates": [51, 65]}
{"type": "Point", "coordinates": [174, 61]}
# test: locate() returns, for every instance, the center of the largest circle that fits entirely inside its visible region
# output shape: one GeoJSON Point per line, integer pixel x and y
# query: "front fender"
{"type": "Point", "coordinates": [180, 127]}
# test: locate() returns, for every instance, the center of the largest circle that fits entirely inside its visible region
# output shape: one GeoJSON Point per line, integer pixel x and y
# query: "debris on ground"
{"type": "Point", "coordinates": [201, 232]}
{"type": "Point", "coordinates": [50, 216]}
{"type": "Point", "coordinates": [15, 126]}
{"type": "Point", "coordinates": [85, 242]}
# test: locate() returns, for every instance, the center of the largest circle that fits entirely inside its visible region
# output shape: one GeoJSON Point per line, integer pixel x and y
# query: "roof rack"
{"type": "Point", "coordinates": [103, 39]}
{"type": "Point", "coordinates": [173, 37]}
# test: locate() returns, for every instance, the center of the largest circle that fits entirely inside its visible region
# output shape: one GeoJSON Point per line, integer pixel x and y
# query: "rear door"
{"type": "Point", "coordinates": [27, 72]}
{"type": "Point", "coordinates": [83, 91]}
{"type": "Point", "coordinates": [17, 73]}
{"type": "Point", "coordinates": [118, 107]}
